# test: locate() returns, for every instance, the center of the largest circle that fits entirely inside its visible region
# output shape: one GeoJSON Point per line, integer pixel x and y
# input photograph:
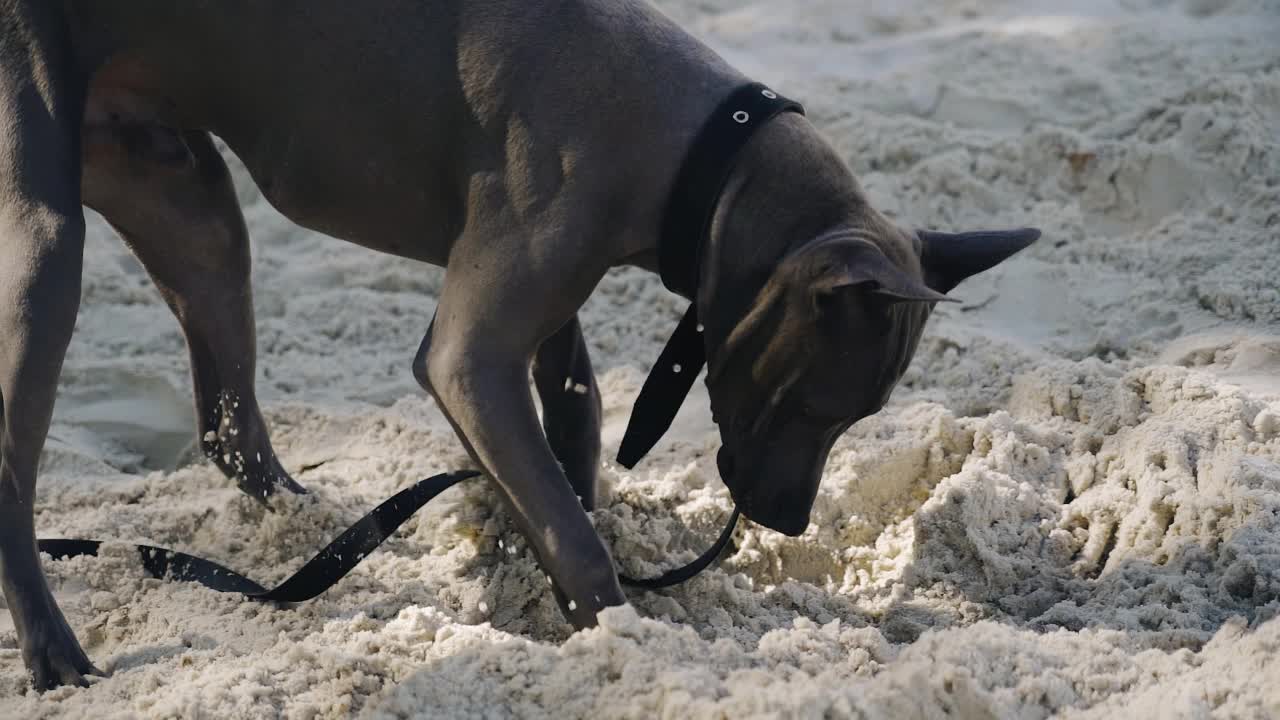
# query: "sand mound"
{"type": "Point", "coordinates": [1070, 508]}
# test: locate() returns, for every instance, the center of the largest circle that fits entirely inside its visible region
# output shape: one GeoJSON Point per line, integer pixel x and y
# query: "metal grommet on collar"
{"type": "Point", "coordinates": [741, 117]}
{"type": "Point", "coordinates": [769, 94]}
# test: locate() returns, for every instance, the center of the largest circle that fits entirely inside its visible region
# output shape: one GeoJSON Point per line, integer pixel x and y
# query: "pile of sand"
{"type": "Point", "coordinates": [1071, 506]}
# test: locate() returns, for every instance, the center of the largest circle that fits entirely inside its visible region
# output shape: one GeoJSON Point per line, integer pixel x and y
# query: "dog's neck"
{"type": "Point", "coordinates": [788, 188]}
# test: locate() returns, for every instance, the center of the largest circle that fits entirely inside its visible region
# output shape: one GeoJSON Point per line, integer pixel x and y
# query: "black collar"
{"type": "Point", "coordinates": [685, 230]}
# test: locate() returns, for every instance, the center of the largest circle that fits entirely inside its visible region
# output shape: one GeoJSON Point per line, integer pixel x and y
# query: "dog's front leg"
{"type": "Point", "coordinates": [494, 312]}
{"type": "Point", "coordinates": [571, 407]}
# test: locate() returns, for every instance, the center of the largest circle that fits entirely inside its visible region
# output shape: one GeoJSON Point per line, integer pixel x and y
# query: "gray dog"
{"type": "Point", "coordinates": [527, 146]}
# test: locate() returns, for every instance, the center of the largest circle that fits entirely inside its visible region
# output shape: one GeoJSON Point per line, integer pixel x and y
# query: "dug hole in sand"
{"type": "Point", "coordinates": [1070, 508]}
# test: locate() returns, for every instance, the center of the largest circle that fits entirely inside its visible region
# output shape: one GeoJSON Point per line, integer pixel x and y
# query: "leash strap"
{"type": "Point", "coordinates": [664, 390]}
{"type": "Point", "coordinates": [685, 228]}
{"type": "Point", "coordinates": [318, 575]}
{"type": "Point", "coordinates": [341, 556]}
{"type": "Point", "coordinates": [680, 574]}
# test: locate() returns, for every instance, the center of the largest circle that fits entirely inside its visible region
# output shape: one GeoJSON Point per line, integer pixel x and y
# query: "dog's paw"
{"type": "Point", "coordinates": [257, 473]}
{"type": "Point", "coordinates": [54, 658]}
{"type": "Point", "coordinates": [237, 442]}
{"type": "Point", "coordinates": [263, 486]}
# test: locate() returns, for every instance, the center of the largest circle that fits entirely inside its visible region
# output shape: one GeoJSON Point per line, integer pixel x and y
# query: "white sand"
{"type": "Point", "coordinates": [1071, 508]}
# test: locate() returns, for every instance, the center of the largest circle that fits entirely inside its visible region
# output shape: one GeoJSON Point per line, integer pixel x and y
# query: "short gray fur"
{"type": "Point", "coordinates": [529, 147]}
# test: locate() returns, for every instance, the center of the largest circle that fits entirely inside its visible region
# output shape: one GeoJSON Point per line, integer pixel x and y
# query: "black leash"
{"type": "Point", "coordinates": [680, 574]}
{"type": "Point", "coordinates": [340, 556]}
{"type": "Point", "coordinates": [319, 574]}
{"type": "Point", "coordinates": [685, 227]}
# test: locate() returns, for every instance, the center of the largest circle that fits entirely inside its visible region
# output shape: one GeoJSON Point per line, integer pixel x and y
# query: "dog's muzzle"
{"type": "Point", "coordinates": [776, 483]}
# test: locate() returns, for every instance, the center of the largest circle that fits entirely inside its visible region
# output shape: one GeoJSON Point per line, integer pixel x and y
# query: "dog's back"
{"type": "Point", "coordinates": [371, 121]}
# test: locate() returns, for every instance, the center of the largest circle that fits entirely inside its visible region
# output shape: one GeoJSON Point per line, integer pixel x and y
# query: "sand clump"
{"type": "Point", "coordinates": [1070, 508]}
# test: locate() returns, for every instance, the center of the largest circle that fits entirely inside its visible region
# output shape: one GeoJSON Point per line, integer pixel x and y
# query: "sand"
{"type": "Point", "coordinates": [1070, 508]}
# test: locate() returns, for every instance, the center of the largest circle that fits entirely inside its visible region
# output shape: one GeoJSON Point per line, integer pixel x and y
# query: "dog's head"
{"type": "Point", "coordinates": [821, 347]}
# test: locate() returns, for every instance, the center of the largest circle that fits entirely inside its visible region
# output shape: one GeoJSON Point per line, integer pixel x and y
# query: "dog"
{"type": "Point", "coordinates": [528, 147]}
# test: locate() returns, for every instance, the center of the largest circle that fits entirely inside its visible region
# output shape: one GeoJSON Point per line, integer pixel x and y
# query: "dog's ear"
{"type": "Point", "coordinates": [846, 264]}
{"type": "Point", "coordinates": [949, 258]}
{"type": "Point", "coordinates": [797, 292]}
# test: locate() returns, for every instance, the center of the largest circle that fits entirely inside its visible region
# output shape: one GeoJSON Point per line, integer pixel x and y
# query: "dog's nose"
{"type": "Point", "coordinates": [774, 480]}
{"type": "Point", "coordinates": [787, 515]}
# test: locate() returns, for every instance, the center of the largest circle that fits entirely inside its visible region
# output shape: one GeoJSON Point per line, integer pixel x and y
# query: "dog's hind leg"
{"type": "Point", "coordinates": [41, 246]}
{"type": "Point", "coordinates": [169, 195]}
{"type": "Point", "coordinates": [571, 408]}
